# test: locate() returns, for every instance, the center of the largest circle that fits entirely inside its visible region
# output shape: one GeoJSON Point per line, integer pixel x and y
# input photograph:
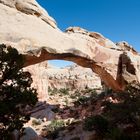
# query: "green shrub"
{"type": "Point", "coordinates": [97, 123]}
{"type": "Point", "coordinates": [53, 92]}
{"type": "Point", "coordinates": [124, 115]}
{"type": "Point", "coordinates": [53, 128]}
{"type": "Point", "coordinates": [82, 100]}
{"type": "Point", "coordinates": [49, 90]}
{"type": "Point", "coordinates": [75, 95]}
{"type": "Point", "coordinates": [55, 124]}
{"type": "Point", "coordinates": [115, 134]}
{"type": "Point", "coordinates": [64, 91]}
{"type": "Point", "coordinates": [127, 110]}
{"type": "Point", "coordinates": [15, 92]}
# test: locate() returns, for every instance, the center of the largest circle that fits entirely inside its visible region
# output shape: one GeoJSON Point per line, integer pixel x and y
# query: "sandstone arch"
{"type": "Point", "coordinates": [28, 27]}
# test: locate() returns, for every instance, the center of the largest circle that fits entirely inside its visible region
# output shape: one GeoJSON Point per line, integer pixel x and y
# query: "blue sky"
{"type": "Point", "coordinates": [116, 19]}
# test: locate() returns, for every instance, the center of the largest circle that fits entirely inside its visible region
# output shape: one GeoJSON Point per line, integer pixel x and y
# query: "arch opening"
{"type": "Point", "coordinates": [69, 75]}
{"type": "Point", "coordinates": [83, 61]}
{"type": "Point", "coordinates": [60, 63]}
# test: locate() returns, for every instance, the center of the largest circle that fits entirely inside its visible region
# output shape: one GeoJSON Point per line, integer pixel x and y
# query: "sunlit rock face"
{"type": "Point", "coordinates": [40, 79]}
{"type": "Point", "coordinates": [73, 78]}
{"type": "Point", "coordinates": [27, 26]}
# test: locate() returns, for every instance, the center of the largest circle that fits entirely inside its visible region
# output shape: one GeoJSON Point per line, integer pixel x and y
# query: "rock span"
{"type": "Point", "coordinates": [27, 26]}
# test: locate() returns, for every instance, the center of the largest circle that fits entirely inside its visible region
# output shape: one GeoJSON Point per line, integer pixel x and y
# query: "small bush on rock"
{"type": "Point", "coordinates": [52, 130]}
{"type": "Point", "coordinates": [64, 91]}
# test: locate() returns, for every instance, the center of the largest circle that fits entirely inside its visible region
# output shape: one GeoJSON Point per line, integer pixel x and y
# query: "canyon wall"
{"type": "Point", "coordinates": [72, 77]}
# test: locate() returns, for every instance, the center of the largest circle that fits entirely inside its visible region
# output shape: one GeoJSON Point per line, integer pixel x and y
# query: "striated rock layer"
{"type": "Point", "coordinates": [28, 27]}
{"type": "Point", "coordinates": [72, 77]}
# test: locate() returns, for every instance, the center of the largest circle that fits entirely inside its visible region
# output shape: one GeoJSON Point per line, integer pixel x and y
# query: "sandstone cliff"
{"type": "Point", "coordinates": [28, 27]}
{"type": "Point", "coordinates": [72, 77]}
{"type": "Point", "coordinates": [40, 79]}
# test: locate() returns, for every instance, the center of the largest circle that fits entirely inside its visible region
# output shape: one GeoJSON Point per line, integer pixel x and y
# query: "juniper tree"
{"type": "Point", "coordinates": [15, 92]}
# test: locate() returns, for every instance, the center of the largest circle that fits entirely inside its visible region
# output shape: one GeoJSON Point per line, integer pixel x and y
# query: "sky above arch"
{"type": "Point", "coordinates": [116, 19]}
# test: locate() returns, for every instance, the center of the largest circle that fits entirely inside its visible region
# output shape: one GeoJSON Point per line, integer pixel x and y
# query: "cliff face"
{"type": "Point", "coordinates": [40, 79]}
{"type": "Point", "coordinates": [28, 27]}
{"type": "Point", "coordinates": [73, 77]}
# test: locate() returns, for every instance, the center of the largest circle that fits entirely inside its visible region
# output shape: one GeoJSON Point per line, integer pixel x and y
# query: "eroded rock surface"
{"type": "Point", "coordinates": [28, 27]}
{"type": "Point", "coordinates": [72, 77]}
{"type": "Point", "coordinates": [40, 79]}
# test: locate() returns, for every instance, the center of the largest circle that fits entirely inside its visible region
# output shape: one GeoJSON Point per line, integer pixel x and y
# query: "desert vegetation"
{"type": "Point", "coordinates": [110, 115]}
{"type": "Point", "coordinates": [16, 94]}
{"type": "Point", "coordinates": [120, 117]}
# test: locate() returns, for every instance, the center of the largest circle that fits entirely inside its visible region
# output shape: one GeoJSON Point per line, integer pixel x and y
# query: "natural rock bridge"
{"type": "Point", "coordinates": [28, 27]}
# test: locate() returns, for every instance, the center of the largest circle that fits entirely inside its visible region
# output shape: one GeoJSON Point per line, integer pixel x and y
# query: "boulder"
{"type": "Point", "coordinates": [29, 134]}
